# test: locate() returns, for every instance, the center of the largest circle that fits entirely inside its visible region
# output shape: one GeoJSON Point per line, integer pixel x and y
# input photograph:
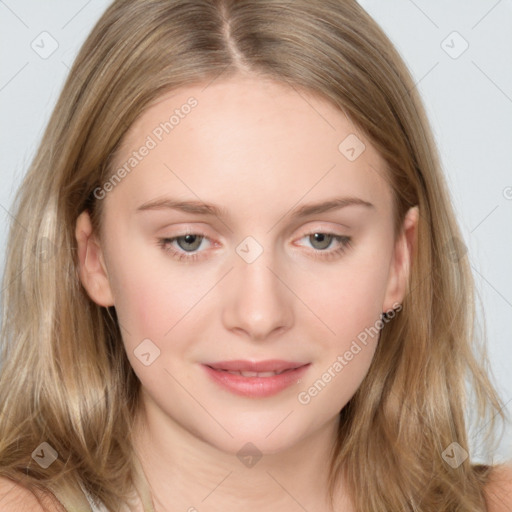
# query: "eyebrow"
{"type": "Point", "coordinates": [201, 208]}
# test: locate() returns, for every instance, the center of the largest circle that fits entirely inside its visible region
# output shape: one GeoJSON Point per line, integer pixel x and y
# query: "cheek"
{"type": "Point", "coordinates": [350, 296]}
{"type": "Point", "coordinates": [351, 307]}
{"type": "Point", "coordinates": [151, 314]}
{"type": "Point", "coordinates": [147, 297]}
{"type": "Point", "coordinates": [155, 302]}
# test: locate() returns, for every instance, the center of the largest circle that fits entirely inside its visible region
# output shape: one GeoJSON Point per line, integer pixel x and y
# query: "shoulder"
{"type": "Point", "coordinates": [498, 490]}
{"type": "Point", "coordinates": [14, 497]}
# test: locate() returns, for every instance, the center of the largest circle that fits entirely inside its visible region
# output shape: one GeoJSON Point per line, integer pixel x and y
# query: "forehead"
{"type": "Point", "coordinates": [249, 138]}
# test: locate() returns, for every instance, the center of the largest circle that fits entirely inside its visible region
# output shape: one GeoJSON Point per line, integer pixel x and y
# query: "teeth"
{"type": "Point", "coordinates": [256, 374]}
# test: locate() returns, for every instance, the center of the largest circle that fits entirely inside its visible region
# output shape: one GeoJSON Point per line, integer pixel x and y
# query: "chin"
{"type": "Point", "coordinates": [264, 436]}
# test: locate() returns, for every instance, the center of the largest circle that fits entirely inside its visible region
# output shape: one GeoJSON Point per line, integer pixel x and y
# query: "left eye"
{"type": "Point", "coordinates": [188, 242]}
{"type": "Point", "coordinates": [321, 241]}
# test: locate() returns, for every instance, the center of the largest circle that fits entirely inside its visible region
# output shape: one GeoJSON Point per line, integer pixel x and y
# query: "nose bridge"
{"type": "Point", "coordinates": [257, 302]}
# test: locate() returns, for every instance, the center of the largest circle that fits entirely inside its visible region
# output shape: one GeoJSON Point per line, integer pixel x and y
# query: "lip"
{"type": "Point", "coordinates": [256, 386]}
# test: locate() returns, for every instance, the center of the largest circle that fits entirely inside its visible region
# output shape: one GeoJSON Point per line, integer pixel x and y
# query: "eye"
{"type": "Point", "coordinates": [186, 244]}
{"type": "Point", "coordinates": [185, 247]}
{"type": "Point", "coordinates": [321, 241]}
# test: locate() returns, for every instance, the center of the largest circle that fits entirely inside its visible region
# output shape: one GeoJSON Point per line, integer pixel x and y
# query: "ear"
{"type": "Point", "coordinates": [401, 261]}
{"type": "Point", "coordinates": [93, 271]}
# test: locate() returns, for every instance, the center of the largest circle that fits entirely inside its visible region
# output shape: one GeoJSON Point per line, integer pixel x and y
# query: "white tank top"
{"type": "Point", "coordinates": [99, 506]}
{"type": "Point", "coordinates": [96, 506]}
{"type": "Point", "coordinates": [140, 484]}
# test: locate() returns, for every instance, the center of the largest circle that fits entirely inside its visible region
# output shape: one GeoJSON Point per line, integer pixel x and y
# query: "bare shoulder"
{"type": "Point", "coordinates": [14, 497]}
{"type": "Point", "coordinates": [499, 489]}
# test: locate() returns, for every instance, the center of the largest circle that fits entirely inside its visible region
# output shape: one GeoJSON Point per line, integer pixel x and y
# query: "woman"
{"type": "Point", "coordinates": [240, 282]}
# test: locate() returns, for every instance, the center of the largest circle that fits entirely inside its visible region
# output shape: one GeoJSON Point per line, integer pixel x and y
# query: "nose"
{"type": "Point", "coordinates": [256, 301]}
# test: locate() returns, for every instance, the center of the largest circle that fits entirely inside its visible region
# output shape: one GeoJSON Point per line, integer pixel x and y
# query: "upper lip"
{"type": "Point", "coordinates": [270, 365]}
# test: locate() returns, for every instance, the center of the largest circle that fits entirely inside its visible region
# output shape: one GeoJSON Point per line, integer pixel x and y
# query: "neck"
{"type": "Point", "coordinates": [183, 472]}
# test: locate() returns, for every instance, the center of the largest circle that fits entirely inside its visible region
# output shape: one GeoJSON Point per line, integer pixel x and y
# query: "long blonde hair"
{"type": "Point", "coordinates": [65, 378]}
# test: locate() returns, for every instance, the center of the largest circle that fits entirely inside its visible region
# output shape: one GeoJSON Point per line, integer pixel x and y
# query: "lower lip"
{"type": "Point", "coordinates": [257, 387]}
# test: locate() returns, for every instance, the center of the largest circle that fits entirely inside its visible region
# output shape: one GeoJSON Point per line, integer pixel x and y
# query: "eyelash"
{"type": "Point", "coordinates": [345, 243]}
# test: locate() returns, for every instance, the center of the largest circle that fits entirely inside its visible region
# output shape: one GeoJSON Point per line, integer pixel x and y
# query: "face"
{"type": "Point", "coordinates": [245, 320]}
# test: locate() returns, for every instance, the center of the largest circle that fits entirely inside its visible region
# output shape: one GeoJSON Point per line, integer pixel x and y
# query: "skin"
{"type": "Point", "coordinates": [259, 149]}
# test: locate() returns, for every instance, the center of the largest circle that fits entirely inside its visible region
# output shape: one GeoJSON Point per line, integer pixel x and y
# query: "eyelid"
{"type": "Point", "coordinates": [319, 227]}
{"type": "Point", "coordinates": [331, 228]}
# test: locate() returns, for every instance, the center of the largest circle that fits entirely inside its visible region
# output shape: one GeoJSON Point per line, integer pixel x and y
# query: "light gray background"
{"type": "Point", "coordinates": [468, 99]}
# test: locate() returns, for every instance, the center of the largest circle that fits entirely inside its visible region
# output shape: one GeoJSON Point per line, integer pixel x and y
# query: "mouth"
{"type": "Point", "coordinates": [254, 374]}
{"type": "Point", "coordinates": [256, 379]}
